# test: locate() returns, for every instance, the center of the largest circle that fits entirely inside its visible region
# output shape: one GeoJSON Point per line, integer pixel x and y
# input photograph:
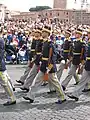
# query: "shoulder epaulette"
{"type": "Point", "coordinates": [79, 39]}
{"type": "Point", "coordinates": [49, 40]}
{"type": "Point", "coordinates": [44, 40]}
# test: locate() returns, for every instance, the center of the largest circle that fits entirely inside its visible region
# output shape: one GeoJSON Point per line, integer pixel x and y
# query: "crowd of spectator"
{"type": "Point", "coordinates": [18, 36]}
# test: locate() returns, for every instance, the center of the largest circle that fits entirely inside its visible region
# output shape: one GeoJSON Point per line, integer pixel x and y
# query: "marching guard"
{"type": "Point", "coordinates": [31, 55]}
{"type": "Point", "coordinates": [67, 48]}
{"type": "Point", "coordinates": [48, 65]}
{"type": "Point", "coordinates": [4, 78]}
{"type": "Point", "coordinates": [85, 76]}
{"type": "Point", "coordinates": [35, 61]}
{"type": "Point", "coordinates": [78, 57]}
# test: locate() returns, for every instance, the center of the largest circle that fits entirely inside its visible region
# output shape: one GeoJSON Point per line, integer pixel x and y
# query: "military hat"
{"type": "Point", "coordinates": [47, 29]}
{"type": "Point", "coordinates": [27, 32]}
{"type": "Point", "coordinates": [55, 32]}
{"type": "Point", "coordinates": [79, 31]}
{"type": "Point", "coordinates": [68, 31]}
{"type": "Point", "coordinates": [88, 30]}
{"type": "Point", "coordinates": [39, 30]}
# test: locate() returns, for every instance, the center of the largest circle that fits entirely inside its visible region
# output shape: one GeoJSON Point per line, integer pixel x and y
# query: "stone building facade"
{"type": "Point", "coordinates": [63, 15]}
{"type": "Point", "coordinates": [60, 13]}
{"type": "Point", "coordinates": [60, 4]}
{"type": "Point", "coordinates": [68, 15]}
{"type": "Point", "coordinates": [26, 15]}
{"type": "Point", "coordinates": [2, 12]}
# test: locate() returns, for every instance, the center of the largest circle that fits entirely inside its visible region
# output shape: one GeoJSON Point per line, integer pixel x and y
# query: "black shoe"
{"type": "Point", "coordinates": [13, 89]}
{"type": "Point", "coordinates": [44, 84]}
{"type": "Point", "coordinates": [86, 90]}
{"type": "Point", "coordinates": [27, 98]}
{"type": "Point", "coordinates": [76, 83]}
{"type": "Point", "coordinates": [63, 88]}
{"type": "Point", "coordinates": [60, 101]}
{"type": "Point", "coordinates": [18, 81]}
{"type": "Point", "coordinates": [73, 97]}
{"type": "Point", "coordinates": [51, 92]}
{"type": "Point", "coordinates": [9, 103]}
{"type": "Point", "coordinates": [25, 89]}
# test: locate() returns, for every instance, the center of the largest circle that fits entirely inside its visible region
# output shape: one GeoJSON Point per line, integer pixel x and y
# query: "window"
{"type": "Point", "coordinates": [61, 21]}
{"type": "Point", "coordinates": [58, 14]}
{"type": "Point", "coordinates": [67, 13]}
{"type": "Point", "coordinates": [46, 14]}
{"type": "Point", "coordinates": [50, 14]}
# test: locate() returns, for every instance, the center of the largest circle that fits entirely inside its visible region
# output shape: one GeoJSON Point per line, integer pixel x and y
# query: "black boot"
{"type": "Point", "coordinates": [24, 89]}
{"type": "Point", "coordinates": [86, 90]}
{"type": "Point", "coordinates": [73, 97]}
{"type": "Point", "coordinates": [27, 98]}
{"type": "Point", "coordinates": [9, 103]}
{"type": "Point", "coordinates": [44, 83]}
{"type": "Point", "coordinates": [76, 83]}
{"type": "Point", "coordinates": [63, 88]}
{"type": "Point", "coordinates": [13, 89]}
{"type": "Point", "coordinates": [18, 81]}
{"type": "Point", "coordinates": [51, 92]}
{"type": "Point", "coordinates": [60, 101]}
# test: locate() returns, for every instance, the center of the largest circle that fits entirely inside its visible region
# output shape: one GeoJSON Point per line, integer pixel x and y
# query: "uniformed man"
{"type": "Point", "coordinates": [87, 86]}
{"type": "Point", "coordinates": [3, 75]}
{"type": "Point", "coordinates": [78, 49]}
{"type": "Point", "coordinates": [66, 53]}
{"type": "Point", "coordinates": [37, 57]}
{"type": "Point", "coordinates": [31, 55]}
{"type": "Point", "coordinates": [48, 65]}
{"type": "Point", "coordinates": [84, 79]}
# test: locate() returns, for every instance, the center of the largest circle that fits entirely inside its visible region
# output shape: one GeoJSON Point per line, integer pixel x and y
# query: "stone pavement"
{"type": "Point", "coordinates": [44, 107]}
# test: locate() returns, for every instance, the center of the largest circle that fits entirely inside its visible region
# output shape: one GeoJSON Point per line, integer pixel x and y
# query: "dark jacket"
{"type": "Point", "coordinates": [45, 54]}
{"type": "Point", "coordinates": [2, 59]}
{"type": "Point", "coordinates": [87, 65]}
{"type": "Point", "coordinates": [32, 52]}
{"type": "Point", "coordinates": [77, 49]}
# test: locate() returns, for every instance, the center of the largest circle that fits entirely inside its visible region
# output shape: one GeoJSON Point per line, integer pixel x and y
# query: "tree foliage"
{"type": "Point", "coordinates": [39, 8]}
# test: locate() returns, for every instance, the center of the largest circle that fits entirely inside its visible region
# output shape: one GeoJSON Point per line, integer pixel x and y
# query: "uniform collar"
{"type": "Point", "coordinates": [67, 38]}
{"type": "Point", "coordinates": [37, 38]}
{"type": "Point", "coordinates": [79, 39]}
{"type": "Point", "coordinates": [45, 40]}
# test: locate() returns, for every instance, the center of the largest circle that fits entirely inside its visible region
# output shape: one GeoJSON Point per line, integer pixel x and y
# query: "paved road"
{"type": "Point", "coordinates": [44, 107]}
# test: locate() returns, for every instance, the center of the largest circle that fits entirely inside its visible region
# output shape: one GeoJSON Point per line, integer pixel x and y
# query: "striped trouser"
{"type": "Point", "coordinates": [81, 85]}
{"type": "Point", "coordinates": [52, 77]}
{"type": "Point", "coordinates": [71, 73]}
{"type": "Point", "coordinates": [25, 75]}
{"type": "Point", "coordinates": [7, 85]}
